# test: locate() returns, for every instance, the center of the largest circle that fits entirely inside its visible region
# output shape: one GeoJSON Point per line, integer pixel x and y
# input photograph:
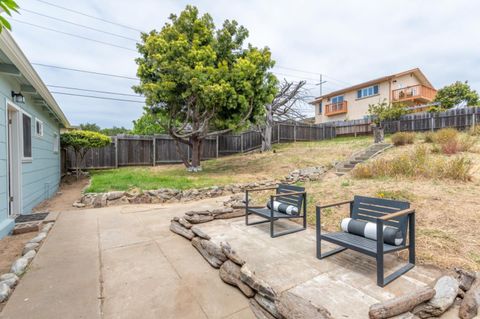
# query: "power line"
{"type": "Point", "coordinates": [86, 71]}
{"type": "Point", "coordinates": [90, 16]}
{"type": "Point", "coordinates": [89, 90]}
{"type": "Point", "coordinates": [97, 97]}
{"type": "Point", "coordinates": [73, 35]}
{"type": "Point", "coordinates": [79, 25]}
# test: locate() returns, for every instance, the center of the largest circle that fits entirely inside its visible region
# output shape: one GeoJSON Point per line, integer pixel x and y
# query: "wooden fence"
{"type": "Point", "coordinates": [129, 150]}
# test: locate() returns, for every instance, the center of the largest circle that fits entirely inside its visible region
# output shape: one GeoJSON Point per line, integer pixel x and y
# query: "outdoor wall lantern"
{"type": "Point", "coordinates": [18, 97]}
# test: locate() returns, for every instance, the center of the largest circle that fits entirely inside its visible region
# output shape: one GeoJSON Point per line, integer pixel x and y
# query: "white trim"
{"type": "Point", "coordinates": [18, 176]}
{"type": "Point", "coordinates": [13, 52]}
{"type": "Point", "coordinates": [26, 159]}
{"type": "Point", "coordinates": [37, 121]}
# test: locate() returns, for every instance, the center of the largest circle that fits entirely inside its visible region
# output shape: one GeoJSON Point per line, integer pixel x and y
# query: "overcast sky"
{"type": "Point", "coordinates": [349, 41]}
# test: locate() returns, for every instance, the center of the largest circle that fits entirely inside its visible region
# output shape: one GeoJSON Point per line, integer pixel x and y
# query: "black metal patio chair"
{"type": "Point", "coordinates": [391, 216]}
{"type": "Point", "coordinates": [288, 202]}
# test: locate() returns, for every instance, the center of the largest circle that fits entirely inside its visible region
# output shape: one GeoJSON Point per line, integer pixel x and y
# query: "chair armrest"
{"type": "Point", "coordinates": [335, 204]}
{"type": "Point", "coordinates": [400, 213]}
{"type": "Point", "coordinates": [260, 189]}
{"type": "Point", "coordinates": [287, 194]}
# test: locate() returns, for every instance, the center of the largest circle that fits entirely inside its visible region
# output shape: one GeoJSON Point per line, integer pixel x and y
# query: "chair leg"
{"type": "Point", "coordinates": [380, 271]}
{"type": "Point", "coordinates": [272, 233]}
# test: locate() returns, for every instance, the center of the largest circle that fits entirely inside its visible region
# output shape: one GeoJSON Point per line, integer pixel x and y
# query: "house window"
{"type": "Point", "coordinates": [368, 91]}
{"type": "Point", "coordinates": [320, 108]}
{"type": "Point", "coordinates": [56, 143]}
{"type": "Point", "coordinates": [27, 136]}
{"type": "Point", "coordinates": [337, 99]}
{"type": "Point", "coordinates": [38, 127]}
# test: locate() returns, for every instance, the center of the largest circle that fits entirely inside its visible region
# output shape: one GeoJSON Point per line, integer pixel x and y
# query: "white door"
{"type": "Point", "coordinates": [14, 160]}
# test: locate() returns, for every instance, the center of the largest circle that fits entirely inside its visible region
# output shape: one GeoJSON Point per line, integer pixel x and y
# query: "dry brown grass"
{"type": "Point", "coordinates": [448, 212]}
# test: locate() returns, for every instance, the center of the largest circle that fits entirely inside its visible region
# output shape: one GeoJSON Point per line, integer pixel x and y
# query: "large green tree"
{"type": "Point", "coordinates": [456, 94]}
{"type": "Point", "coordinates": [7, 6]}
{"type": "Point", "coordinates": [147, 124]}
{"type": "Point", "coordinates": [203, 81]}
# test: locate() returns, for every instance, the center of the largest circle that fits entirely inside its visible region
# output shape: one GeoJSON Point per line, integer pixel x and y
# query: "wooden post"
{"type": "Point", "coordinates": [473, 120]}
{"type": "Point", "coordinates": [217, 146]}
{"type": "Point", "coordinates": [324, 137]}
{"type": "Point", "coordinates": [116, 151]}
{"type": "Point", "coordinates": [398, 126]}
{"type": "Point", "coordinates": [432, 123]}
{"type": "Point", "coordinates": [294, 133]}
{"type": "Point", "coordinates": [241, 142]}
{"type": "Point", "coordinates": [154, 151]}
{"type": "Point", "coordinates": [278, 135]}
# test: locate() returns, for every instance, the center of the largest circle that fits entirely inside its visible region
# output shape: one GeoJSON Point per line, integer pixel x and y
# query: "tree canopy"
{"type": "Point", "coordinates": [147, 124]}
{"type": "Point", "coordinates": [385, 111]}
{"type": "Point", "coordinates": [93, 127]}
{"type": "Point", "coordinates": [456, 94]}
{"type": "Point", "coordinates": [201, 80]}
{"type": "Point", "coordinates": [8, 6]}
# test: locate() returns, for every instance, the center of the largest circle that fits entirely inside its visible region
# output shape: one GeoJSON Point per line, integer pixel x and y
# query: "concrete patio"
{"type": "Point", "coordinates": [124, 262]}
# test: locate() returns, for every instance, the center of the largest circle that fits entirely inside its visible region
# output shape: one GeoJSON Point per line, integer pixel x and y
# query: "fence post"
{"type": "Point", "coordinates": [294, 133]}
{"type": "Point", "coordinates": [116, 151]}
{"type": "Point", "coordinates": [398, 126]}
{"type": "Point", "coordinates": [278, 135]}
{"type": "Point", "coordinates": [154, 150]}
{"type": "Point", "coordinates": [473, 120]}
{"type": "Point", "coordinates": [432, 124]}
{"type": "Point", "coordinates": [241, 142]}
{"type": "Point", "coordinates": [217, 146]}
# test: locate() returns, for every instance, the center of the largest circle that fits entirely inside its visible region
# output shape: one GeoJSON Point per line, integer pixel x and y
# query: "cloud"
{"type": "Point", "coordinates": [348, 41]}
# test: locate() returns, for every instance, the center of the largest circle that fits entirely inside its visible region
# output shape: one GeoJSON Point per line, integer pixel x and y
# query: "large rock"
{"type": "Point", "coordinates": [177, 228]}
{"type": "Point", "coordinates": [4, 292]}
{"type": "Point", "coordinates": [220, 211]}
{"type": "Point", "coordinates": [292, 306]}
{"type": "Point", "coordinates": [230, 273]}
{"type": "Point", "coordinates": [200, 212]}
{"type": "Point", "coordinates": [250, 278]}
{"type": "Point", "coordinates": [400, 304]}
{"type": "Point", "coordinates": [231, 254]}
{"type": "Point", "coordinates": [258, 311]}
{"type": "Point", "coordinates": [268, 305]}
{"type": "Point", "coordinates": [469, 308]}
{"type": "Point", "coordinates": [30, 255]}
{"type": "Point", "coordinates": [446, 291]}
{"type": "Point", "coordinates": [197, 231]}
{"type": "Point", "coordinates": [30, 246]}
{"type": "Point", "coordinates": [210, 251]}
{"type": "Point", "coordinates": [198, 219]}
{"type": "Point", "coordinates": [46, 228]}
{"type": "Point", "coordinates": [115, 195]}
{"type": "Point", "coordinates": [182, 221]}
{"type": "Point", "coordinates": [10, 279]}
{"type": "Point", "coordinates": [465, 278]}
{"type": "Point", "coordinates": [100, 200]}
{"type": "Point", "coordinates": [19, 266]}
{"type": "Point", "coordinates": [37, 239]}
{"type": "Point", "coordinates": [233, 214]}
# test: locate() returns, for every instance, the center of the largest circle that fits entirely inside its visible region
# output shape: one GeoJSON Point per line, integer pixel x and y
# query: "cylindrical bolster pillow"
{"type": "Point", "coordinates": [283, 208]}
{"type": "Point", "coordinates": [391, 235]}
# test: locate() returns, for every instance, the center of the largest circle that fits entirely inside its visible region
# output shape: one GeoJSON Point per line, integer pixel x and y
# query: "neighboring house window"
{"type": "Point", "coordinates": [27, 136]}
{"type": "Point", "coordinates": [337, 99]}
{"type": "Point", "coordinates": [38, 127]}
{"type": "Point", "coordinates": [56, 142]}
{"type": "Point", "coordinates": [368, 91]}
{"type": "Point", "coordinates": [320, 108]}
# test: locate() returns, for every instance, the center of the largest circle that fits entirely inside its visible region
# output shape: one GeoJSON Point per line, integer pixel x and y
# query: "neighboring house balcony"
{"type": "Point", "coordinates": [336, 108]}
{"type": "Point", "coordinates": [415, 93]}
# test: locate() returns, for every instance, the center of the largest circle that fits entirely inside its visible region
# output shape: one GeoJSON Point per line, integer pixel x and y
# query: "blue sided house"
{"type": "Point", "coordinates": [30, 124]}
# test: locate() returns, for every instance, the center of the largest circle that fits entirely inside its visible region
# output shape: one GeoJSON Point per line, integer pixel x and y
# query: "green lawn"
{"type": "Point", "coordinates": [238, 168]}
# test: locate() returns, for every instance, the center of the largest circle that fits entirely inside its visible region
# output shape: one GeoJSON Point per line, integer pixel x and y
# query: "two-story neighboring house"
{"type": "Point", "coordinates": [411, 88]}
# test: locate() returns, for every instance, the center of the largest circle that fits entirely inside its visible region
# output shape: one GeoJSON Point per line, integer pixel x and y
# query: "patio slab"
{"type": "Point", "coordinates": [345, 283]}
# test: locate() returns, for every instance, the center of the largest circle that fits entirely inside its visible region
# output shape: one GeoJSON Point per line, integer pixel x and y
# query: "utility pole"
{"type": "Point", "coordinates": [320, 84]}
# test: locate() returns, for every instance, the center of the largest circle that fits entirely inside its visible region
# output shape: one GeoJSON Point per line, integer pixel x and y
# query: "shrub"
{"type": "Point", "coordinates": [461, 143]}
{"type": "Point", "coordinates": [428, 137]}
{"type": "Point", "coordinates": [418, 163]}
{"type": "Point", "coordinates": [403, 138]}
{"type": "Point", "coordinates": [445, 135]}
{"type": "Point", "coordinates": [474, 130]}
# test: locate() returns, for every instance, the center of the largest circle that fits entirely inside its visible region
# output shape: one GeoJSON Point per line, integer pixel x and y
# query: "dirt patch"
{"type": "Point", "coordinates": [70, 190]}
{"type": "Point", "coordinates": [11, 248]}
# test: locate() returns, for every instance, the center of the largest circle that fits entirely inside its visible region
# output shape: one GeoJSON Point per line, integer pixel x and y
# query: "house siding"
{"type": "Point", "coordinates": [40, 176]}
{"type": "Point", "coordinates": [358, 108]}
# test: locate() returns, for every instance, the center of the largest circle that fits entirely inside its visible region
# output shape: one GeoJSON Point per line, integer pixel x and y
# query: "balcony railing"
{"type": "Point", "coordinates": [415, 92]}
{"type": "Point", "coordinates": [336, 108]}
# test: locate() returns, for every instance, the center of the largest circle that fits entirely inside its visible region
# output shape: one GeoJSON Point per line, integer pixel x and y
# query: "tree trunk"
{"type": "Point", "coordinates": [378, 134]}
{"type": "Point", "coordinates": [195, 164]}
{"type": "Point", "coordinates": [267, 132]}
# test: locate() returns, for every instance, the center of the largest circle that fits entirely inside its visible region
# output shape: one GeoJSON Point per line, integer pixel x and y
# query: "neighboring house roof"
{"type": "Point", "coordinates": [418, 73]}
{"type": "Point", "coordinates": [28, 75]}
